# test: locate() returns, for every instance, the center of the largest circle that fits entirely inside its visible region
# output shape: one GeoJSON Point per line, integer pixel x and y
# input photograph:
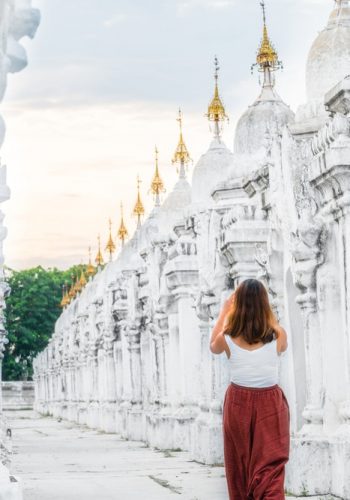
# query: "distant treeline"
{"type": "Point", "coordinates": [32, 309]}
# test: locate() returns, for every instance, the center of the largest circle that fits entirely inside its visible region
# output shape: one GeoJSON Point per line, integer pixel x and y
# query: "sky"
{"type": "Point", "coordinates": [104, 82]}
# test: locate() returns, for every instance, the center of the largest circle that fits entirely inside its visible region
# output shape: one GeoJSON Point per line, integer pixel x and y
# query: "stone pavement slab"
{"type": "Point", "coordinates": [63, 461]}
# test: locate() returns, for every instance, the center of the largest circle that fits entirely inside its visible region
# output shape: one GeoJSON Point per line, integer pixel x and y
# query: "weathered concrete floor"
{"type": "Point", "coordinates": [62, 461]}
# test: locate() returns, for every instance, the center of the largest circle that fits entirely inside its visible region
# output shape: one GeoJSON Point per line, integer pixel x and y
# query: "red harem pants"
{"type": "Point", "coordinates": [256, 442]}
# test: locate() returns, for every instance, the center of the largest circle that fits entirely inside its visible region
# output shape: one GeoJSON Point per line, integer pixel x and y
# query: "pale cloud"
{"type": "Point", "coordinates": [74, 166]}
{"type": "Point", "coordinates": [115, 20]}
{"type": "Point", "coordinates": [83, 119]}
{"type": "Point", "coordinates": [184, 6]}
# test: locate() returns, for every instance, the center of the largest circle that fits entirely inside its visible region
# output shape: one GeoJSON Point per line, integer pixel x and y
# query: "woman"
{"type": "Point", "coordinates": [255, 412]}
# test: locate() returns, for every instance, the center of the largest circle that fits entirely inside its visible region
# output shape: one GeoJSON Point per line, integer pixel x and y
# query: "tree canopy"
{"type": "Point", "coordinates": [32, 309]}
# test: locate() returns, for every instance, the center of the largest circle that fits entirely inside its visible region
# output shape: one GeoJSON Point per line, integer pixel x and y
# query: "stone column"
{"type": "Point", "coordinates": [127, 395]}
{"type": "Point", "coordinates": [181, 272]}
{"type": "Point", "coordinates": [134, 424]}
{"type": "Point", "coordinates": [110, 389]}
{"type": "Point", "coordinates": [308, 253]}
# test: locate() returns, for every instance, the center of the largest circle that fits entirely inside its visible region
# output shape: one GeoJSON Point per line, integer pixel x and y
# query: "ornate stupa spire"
{"type": "Point", "coordinates": [157, 185]}
{"type": "Point", "coordinates": [82, 279]}
{"type": "Point", "coordinates": [181, 155]}
{"type": "Point", "coordinates": [99, 257]}
{"type": "Point", "coordinates": [110, 247]}
{"type": "Point", "coordinates": [65, 298]}
{"type": "Point", "coordinates": [90, 270]}
{"type": "Point", "coordinates": [139, 210]}
{"type": "Point", "coordinates": [267, 58]}
{"type": "Point", "coordinates": [122, 231]}
{"type": "Point", "coordinates": [72, 291]}
{"type": "Point", "coordinates": [77, 285]}
{"type": "Point", "coordinates": [216, 110]}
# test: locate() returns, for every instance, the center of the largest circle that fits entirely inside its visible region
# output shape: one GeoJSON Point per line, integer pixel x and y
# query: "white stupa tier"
{"type": "Point", "coordinates": [329, 58]}
{"type": "Point", "coordinates": [267, 116]}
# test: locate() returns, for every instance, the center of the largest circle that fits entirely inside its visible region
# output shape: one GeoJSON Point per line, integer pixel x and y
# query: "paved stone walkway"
{"type": "Point", "coordinates": [62, 461]}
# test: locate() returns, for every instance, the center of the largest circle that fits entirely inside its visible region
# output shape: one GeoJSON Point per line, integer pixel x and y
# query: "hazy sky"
{"type": "Point", "coordinates": [103, 85]}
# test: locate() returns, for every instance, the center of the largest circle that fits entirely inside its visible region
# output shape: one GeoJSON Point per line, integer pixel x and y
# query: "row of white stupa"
{"type": "Point", "coordinates": [131, 353]}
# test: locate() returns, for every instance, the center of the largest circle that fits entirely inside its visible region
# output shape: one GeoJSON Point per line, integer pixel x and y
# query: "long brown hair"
{"type": "Point", "coordinates": [251, 315]}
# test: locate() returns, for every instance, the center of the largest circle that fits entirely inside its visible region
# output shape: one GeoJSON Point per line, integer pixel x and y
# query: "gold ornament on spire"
{"type": "Point", "coordinates": [181, 155]}
{"type": "Point", "coordinates": [157, 185]}
{"type": "Point", "coordinates": [99, 257]}
{"type": "Point", "coordinates": [216, 109]}
{"type": "Point", "coordinates": [65, 297]}
{"type": "Point", "coordinates": [90, 270]}
{"type": "Point", "coordinates": [110, 247]}
{"type": "Point", "coordinates": [77, 286]}
{"type": "Point", "coordinates": [267, 57]}
{"type": "Point", "coordinates": [122, 231]}
{"type": "Point", "coordinates": [139, 210]}
{"type": "Point", "coordinates": [82, 279]}
{"type": "Point", "coordinates": [72, 291]}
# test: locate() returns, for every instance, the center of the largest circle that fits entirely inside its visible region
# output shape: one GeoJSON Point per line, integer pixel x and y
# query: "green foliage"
{"type": "Point", "coordinates": [31, 312]}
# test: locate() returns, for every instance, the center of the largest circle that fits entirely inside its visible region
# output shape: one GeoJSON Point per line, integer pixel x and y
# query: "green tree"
{"type": "Point", "coordinates": [32, 309]}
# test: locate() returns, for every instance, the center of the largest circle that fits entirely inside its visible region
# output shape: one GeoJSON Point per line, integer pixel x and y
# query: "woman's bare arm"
{"type": "Point", "coordinates": [217, 345]}
{"type": "Point", "coordinates": [282, 342]}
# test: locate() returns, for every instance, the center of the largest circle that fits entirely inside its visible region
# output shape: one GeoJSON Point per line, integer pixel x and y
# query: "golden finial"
{"type": "Point", "coordinates": [90, 270]}
{"type": "Point", "coordinates": [267, 57]}
{"type": "Point", "coordinates": [138, 208]}
{"type": "Point", "coordinates": [82, 280]}
{"type": "Point", "coordinates": [122, 231]}
{"type": "Point", "coordinates": [110, 247]}
{"type": "Point", "coordinates": [181, 155]}
{"type": "Point", "coordinates": [65, 297]}
{"type": "Point", "coordinates": [216, 110]}
{"type": "Point", "coordinates": [72, 290]}
{"type": "Point", "coordinates": [77, 286]}
{"type": "Point", "coordinates": [99, 258]}
{"type": "Point", "coordinates": [157, 185]}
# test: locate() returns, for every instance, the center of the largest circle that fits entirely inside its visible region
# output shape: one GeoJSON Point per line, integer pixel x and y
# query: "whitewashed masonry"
{"type": "Point", "coordinates": [131, 353]}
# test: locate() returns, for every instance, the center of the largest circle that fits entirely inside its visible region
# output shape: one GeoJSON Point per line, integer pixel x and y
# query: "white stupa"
{"type": "Point", "coordinates": [218, 159]}
{"type": "Point", "coordinates": [329, 57]}
{"type": "Point", "coordinates": [268, 114]}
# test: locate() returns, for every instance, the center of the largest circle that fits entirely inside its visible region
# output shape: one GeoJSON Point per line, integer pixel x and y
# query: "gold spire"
{"type": "Point", "coordinates": [82, 280]}
{"type": "Point", "coordinates": [110, 247]}
{"type": "Point", "coordinates": [65, 297]}
{"type": "Point", "coordinates": [157, 185]}
{"type": "Point", "coordinates": [122, 231]}
{"type": "Point", "coordinates": [267, 57]}
{"type": "Point", "coordinates": [72, 291]}
{"type": "Point", "coordinates": [77, 285]}
{"type": "Point", "coordinates": [216, 109]}
{"type": "Point", "coordinates": [99, 258]}
{"type": "Point", "coordinates": [181, 155]}
{"type": "Point", "coordinates": [138, 208]}
{"type": "Point", "coordinates": [90, 270]}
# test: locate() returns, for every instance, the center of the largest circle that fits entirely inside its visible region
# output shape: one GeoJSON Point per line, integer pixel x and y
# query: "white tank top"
{"type": "Point", "coordinates": [256, 368]}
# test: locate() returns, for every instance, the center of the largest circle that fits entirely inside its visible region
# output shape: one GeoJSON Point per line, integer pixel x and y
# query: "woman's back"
{"type": "Point", "coordinates": [253, 368]}
{"type": "Point", "coordinates": [255, 411]}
